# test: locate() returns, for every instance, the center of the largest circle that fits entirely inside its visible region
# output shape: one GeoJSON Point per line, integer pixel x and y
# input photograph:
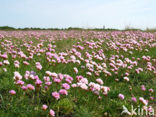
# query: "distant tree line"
{"type": "Point", "coordinates": [8, 28]}
{"type": "Point", "coordinates": [70, 28]}
{"type": "Point", "coordinates": [27, 28]}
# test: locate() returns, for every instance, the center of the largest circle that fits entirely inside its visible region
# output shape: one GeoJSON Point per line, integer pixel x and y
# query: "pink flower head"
{"type": "Point", "coordinates": [20, 82]}
{"type": "Point", "coordinates": [44, 107]}
{"type": "Point", "coordinates": [74, 85]}
{"type": "Point", "coordinates": [99, 81]}
{"type": "Point", "coordinates": [126, 74]}
{"type": "Point", "coordinates": [63, 92]}
{"type": "Point", "coordinates": [54, 75]}
{"type": "Point", "coordinates": [143, 88]}
{"type": "Point", "coordinates": [4, 56]}
{"type": "Point", "coordinates": [48, 73]}
{"type": "Point", "coordinates": [17, 76]}
{"type": "Point", "coordinates": [46, 78]}
{"type": "Point", "coordinates": [46, 87]}
{"type": "Point", "coordinates": [151, 90]}
{"type": "Point", "coordinates": [38, 82]}
{"type": "Point", "coordinates": [52, 113]}
{"type": "Point", "coordinates": [36, 77]}
{"type": "Point", "coordinates": [60, 76]}
{"type": "Point", "coordinates": [56, 95]}
{"type": "Point", "coordinates": [79, 77]}
{"type": "Point", "coordinates": [38, 66]}
{"type": "Point", "coordinates": [6, 62]}
{"type": "Point", "coordinates": [126, 79]}
{"type": "Point", "coordinates": [66, 86]}
{"type": "Point", "coordinates": [145, 102]}
{"type": "Point", "coordinates": [25, 63]}
{"type": "Point", "coordinates": [24, 88]}
{"type": "Point", "coordinates": [134, 99]}
{"type": "Point", "coordinates": [57, 80]}
{"type": "Point", "coordinates": [69, 79]}
{"type": "Point", "coordinates": [12, 92]}
{"type": "Point", "coordinates": [30, 87]}
{"type": "Point", "coordinates": [75, 70]}
{"type": "Point", "coordinates": [99, 97]}
{"type": "Point", "coordinates": [48, 83]}
{"type": "Point", "coordinates": [151, 98]}
{"type": "Point", "coordinates": [121, 96]}
{"type": "Point", "coordinates": [1, 63]}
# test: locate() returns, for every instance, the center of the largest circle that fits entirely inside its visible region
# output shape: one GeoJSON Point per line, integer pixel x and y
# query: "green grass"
{"type": "Point", "coordinates": [78, 103]}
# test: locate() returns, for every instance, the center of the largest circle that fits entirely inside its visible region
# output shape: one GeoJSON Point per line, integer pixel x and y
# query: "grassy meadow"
{"type": "Point", "coordinates": [77, 73]}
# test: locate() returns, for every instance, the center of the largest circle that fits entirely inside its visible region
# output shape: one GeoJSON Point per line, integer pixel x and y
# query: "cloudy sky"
{"type": "Point", "coordinates": [78, 13]}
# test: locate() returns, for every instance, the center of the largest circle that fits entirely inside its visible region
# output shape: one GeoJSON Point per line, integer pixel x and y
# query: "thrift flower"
{"type": "Point", "coordinates": [44, 107]}
{"type": "Point", "coordinates": [12, 92]}
{"type": "Point", "coordinates": [56, 95]}
{"type": "Point", "coordinates": [52, 113]}
{"type": "Point", "coordinates": [121, 96]}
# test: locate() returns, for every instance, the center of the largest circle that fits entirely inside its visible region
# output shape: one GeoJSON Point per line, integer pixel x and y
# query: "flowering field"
{"type": "Point", "coordinates": [76, 73]}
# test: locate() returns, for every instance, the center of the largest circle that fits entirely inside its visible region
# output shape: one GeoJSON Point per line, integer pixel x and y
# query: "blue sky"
{"type": "Point", "coordinates": [78, 13]}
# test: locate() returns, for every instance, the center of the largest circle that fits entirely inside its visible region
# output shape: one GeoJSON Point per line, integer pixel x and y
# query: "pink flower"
{"type": "Point", "coordinates": [4, 56]}
{"type": "Point", "coordinates": [68, 80]}
{"type": "Point", "coordinates": [145, 102]}
{"type": "Point", "coordinates": [89, 73]}
{"type": "Point", "coordinates": [57, 80]}
{"type": "Point", "coordinates": [48, 73]}
{"type": "Point", "coordinates": [79, 77]}
{"type": "Point", "coordinates": [99, 97]}
{"type": "Point", "coordinates": [20, 82]}
{"type": "Point", "coordinates": [25, 63]}
{"type": "Point", "coordinates": [126, 74]}
{"type": "Point", "coordinates": [121, 96]}
{"type": "Point", "coordinates": [52, 113]}
{"type": "Point", "coordinates": [83, 86]}
{"type": "Point", "coordinates": [74, 85]}
{"type": "Point", "coordinates": [60, 76]}
{"type": "Point", "coordinates": [4, 69]}
{"type": "Point", "coordinates": [6, 62]}
{"type": "Point", "coordinates": [75, 70]}
{"type": "Point", "coordinates": [151, 98]}
{"type": "Point", "coordinates": [46, 87]}
{"type": "Point", "coordinates": [46, 78]}
{"type": "Point", "coordinates": [17, 76]}
{"type": "Point", "coordinates": [38, 82]}
{"type": "Point", "coordinates": [63, 92]}
{"type": "Point", "coordinates": [134, 99]}
{"type": "Point", "coordinates": [143, 88]}
{"type": "Point", "coordinates": [151, 90]}
{"type": "Point", "coordinates": [84, 80]}
{"type": "Point", "coordinates": [126, 79]}
{"type": "Point", "coordinates": [24, 88]}
{"type": "Point", "coordinates": [36, 77]}
{"type": "Point", "coordinates": [56, 95]}
{"type": "Point", "coordinates": [54, 75]}
{"type": "Point", "coordinates": [38, 66]}
{"type": "Point", "coordinates": [12, 92]}
{"type": "Point", "coordinates": [99, 81]}
{"type": "Point", "coordinates": [1, 63]}
{"type": "Point", "coordinates": [48, 83]}
{"type": "Point", "coordinates": [150, 109]}
{"type": "Point", "coordinates": [66, 86]}
{"type": "Point", "coordinates": [44, 107]}
{"type": "Point", "coordinates": [30, 87]}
